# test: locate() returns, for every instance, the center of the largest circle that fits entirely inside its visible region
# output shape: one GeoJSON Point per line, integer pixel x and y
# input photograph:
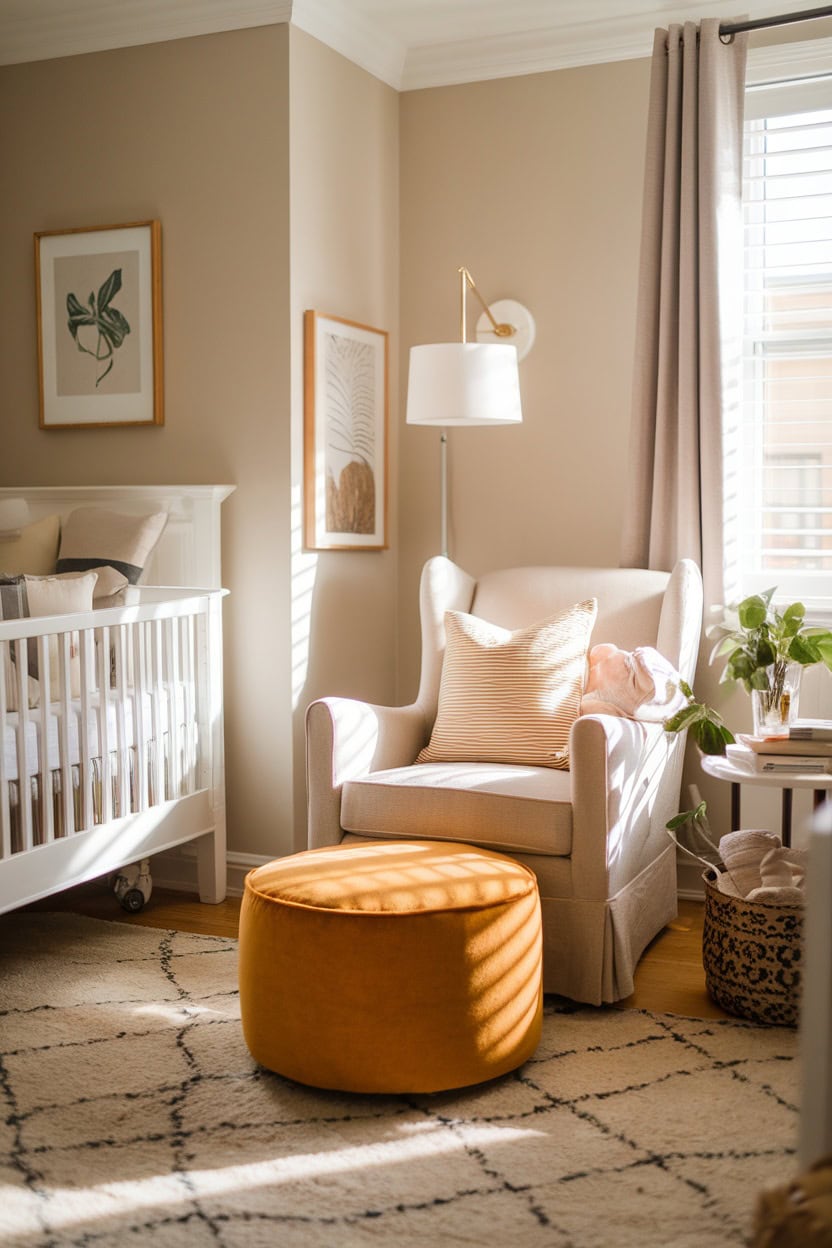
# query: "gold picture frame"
{"type": "Point", "coordinates": [345, 434]}
{"type": "Point", "coordinates": [99, 325]}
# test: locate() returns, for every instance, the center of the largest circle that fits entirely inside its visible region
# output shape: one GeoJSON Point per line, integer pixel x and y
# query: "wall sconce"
{"type": "Point", "coordinates": [470, 383]}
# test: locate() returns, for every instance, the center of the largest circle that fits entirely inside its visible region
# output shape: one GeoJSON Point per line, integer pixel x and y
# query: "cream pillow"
{"type": "Point", "coordinates": [34, 549]}
{"type": "Point", "coordinates": [510, 697]}
{"type": "Point", "coordinates": [61, 594]}
{"type": "Point", "coordinates": [36, 596]}
{"type": "Point", "coordinates": [32, 687]}
{"type": "Point", "coordinates": [117, 545]}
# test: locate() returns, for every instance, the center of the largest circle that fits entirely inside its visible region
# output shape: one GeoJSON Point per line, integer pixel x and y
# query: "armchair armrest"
{"type": "Point", "coordinates": [625, 786]}
{"type": "Point", "coordinates": [345, 739]}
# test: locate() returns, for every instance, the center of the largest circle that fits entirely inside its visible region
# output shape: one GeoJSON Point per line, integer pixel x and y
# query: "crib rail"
{"type": "Point", "coordinates": [107, 714]}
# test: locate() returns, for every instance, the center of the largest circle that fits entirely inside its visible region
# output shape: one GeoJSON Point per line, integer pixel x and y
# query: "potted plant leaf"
{"type": "Point", "coordinates": [766, 650]}
{"type": "Point", "coordinates": [704, 724]}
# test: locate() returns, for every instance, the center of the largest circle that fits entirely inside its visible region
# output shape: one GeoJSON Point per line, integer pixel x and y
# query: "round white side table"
{"type": "Point", "coordinates": [724, 769]}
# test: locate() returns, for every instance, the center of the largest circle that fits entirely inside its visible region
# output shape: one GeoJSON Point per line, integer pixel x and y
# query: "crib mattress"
{"type": "Point", "coordinates": [32, 748]}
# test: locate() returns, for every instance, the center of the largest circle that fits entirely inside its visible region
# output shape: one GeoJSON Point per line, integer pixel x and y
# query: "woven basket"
{"type": "Point", "coordinates": [752, 951]}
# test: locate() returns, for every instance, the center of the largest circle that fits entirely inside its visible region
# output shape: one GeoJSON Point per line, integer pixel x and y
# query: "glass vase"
{"type": "Point", "coordinates": [775, 707]}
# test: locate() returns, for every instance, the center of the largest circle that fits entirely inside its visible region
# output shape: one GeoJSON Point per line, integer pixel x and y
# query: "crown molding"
{"type": "Point", "coordinates": [527, 52]}
{"type": "Point", "coordinates": [65, 29]}
{"type": "Point", "coordinates": [537, 49]}
{"type": "Point", "coordinates": [55, 28]}
{"type": "Point", "coordinates": [344, 30]}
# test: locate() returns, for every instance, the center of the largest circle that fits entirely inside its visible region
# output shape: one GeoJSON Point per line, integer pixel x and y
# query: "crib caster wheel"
{"type": "Point", "coordinates": [132, 901]}
{"type": "Point", "coordinates": [133, 886]}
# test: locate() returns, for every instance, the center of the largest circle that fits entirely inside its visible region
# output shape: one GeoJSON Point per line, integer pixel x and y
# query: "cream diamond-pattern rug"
{"type": "Point", "coordinates": [133, 1114]}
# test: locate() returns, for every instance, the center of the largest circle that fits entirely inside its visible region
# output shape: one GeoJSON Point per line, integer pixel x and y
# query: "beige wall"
{"type": "Point", "coordinates": [345, 262]}
{"type": "Point", "coordinates": [225, 139]}
{"type": "Point", "coordinates": [535, 184]}
{"type": "Point", "coordinates": [195, 133]}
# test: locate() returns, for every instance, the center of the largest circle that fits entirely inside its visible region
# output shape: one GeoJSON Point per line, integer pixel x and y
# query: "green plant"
{"type": "Point", "coordinates": [109, 326]}
{"type": "Point", "coordinates": [687, 816]}
{"type": "Point", "coordinates": [703, 723]}
{"type": "Point", "coordinates": [691, 832]}
{"type": "Point", "coordinates": [758, 642]}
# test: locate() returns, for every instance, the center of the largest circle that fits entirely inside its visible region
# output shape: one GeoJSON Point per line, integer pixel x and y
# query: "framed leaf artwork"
{"type": "Point", "coordinates": [345, 434]}
{"type": "Point", "coordinates": [99, 321]}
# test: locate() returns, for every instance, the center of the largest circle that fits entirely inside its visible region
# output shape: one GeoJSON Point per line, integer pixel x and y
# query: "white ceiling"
{"type": "Point", "coordinates": [406, 43]}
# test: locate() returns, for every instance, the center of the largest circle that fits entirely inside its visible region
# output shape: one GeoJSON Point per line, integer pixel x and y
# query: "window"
{"type": "Point", "coordinates": [781, 454]}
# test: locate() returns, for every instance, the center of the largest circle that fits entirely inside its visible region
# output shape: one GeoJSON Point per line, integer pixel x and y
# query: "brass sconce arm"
{"type": "Point", "coordinates": [501, 330]}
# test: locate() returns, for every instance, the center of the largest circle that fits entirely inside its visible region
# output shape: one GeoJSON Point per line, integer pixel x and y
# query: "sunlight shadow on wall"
{"type": "Point", "coordinates": [304, 571]}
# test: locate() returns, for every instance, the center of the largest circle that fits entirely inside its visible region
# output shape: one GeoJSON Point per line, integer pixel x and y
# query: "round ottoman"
{"type": "Point", "coordinates": [396, 966]}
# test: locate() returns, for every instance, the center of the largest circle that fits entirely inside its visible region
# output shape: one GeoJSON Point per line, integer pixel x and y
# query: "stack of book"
{"type": "Point", "coordinates": [806, 749]}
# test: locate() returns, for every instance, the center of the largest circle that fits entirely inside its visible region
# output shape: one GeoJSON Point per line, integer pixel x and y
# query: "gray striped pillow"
{"type": "Point", "coordinates": [511, 697]}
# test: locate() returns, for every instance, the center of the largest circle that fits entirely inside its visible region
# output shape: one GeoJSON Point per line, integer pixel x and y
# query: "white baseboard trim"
{"type": "Point", "coordinates": [238, 867]}
{"type": "Point", "coordinates": [176, 870]}
{"type": "Point", "coordinates": [689, 884]}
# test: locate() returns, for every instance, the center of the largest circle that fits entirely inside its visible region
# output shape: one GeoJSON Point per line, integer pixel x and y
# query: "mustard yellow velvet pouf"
{"type": "Point", "coordinates": [396, 966]}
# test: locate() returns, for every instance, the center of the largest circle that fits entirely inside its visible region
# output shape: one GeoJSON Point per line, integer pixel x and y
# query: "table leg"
{"type": "Point", "coordinates": [786, 821]}
{"type": "Point", "coordinates": [735, 806]}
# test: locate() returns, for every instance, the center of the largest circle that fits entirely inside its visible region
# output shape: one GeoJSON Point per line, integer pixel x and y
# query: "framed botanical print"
{"type": "Point", "coordinates": [345, 434]}
{"type": "Point", "coordinates": [99, 320]}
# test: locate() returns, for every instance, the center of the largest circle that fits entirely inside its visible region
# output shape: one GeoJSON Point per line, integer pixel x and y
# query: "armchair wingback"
{"type": "Point", "coordinates": [593, 835]}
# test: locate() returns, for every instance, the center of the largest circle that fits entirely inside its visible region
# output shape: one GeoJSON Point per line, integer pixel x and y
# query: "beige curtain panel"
{"type": "Point", "coordinates": [688, 338]}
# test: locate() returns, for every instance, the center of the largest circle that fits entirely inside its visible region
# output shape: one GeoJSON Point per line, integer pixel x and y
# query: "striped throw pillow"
{"type": "Point", "coordinates": [511, 697]}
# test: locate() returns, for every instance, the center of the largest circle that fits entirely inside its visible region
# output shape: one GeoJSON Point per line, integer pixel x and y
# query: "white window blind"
{"type": "Point", "coordinates": [782, 455]}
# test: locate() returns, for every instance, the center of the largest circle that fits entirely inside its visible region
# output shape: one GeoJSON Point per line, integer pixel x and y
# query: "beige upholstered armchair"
{"type": "Point", "coordinates": [594, 835]}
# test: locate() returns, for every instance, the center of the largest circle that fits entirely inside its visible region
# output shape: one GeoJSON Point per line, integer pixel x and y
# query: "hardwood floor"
{"type": "Point", "coordinates": [669, 977]}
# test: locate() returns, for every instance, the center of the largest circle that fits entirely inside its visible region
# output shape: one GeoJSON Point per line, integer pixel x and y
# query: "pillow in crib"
{"type": "Point", "coordinates": [37, 596]}
{"type": "Point", "coordinates": [116, 545]}
{"type": "Point", "coordinates": [32, 549]}
{"type": "Point", "coordinates": [32, 688]}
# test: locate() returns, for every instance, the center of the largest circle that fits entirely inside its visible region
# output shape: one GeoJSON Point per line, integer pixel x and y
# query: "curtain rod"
{"type": "Point", "coordinates": [736, 28]}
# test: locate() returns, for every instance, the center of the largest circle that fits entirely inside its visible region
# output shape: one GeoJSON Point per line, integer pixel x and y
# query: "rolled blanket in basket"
{"type": "Point", "coordinates": [782, 876]}
{"type": "Point", "coordinates": [759, 868]}
{"type": "Point", "coordinates": [741, 853]}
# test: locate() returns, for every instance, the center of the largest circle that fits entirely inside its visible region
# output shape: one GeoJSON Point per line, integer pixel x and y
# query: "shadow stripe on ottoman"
{"type": "Point", "coordinates": [403, 966]}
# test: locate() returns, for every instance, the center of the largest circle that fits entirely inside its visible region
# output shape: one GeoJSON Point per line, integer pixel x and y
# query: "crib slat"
{"type": "Point", "coordinates": [47, 821]}
{"type": "Point", "coordinates": [24, 787]}
{"type": "Point", "coordinates": [203, 704]}
{"type": "Point", "coordinates": [193, 624]}
{"type": "Point", "coordinates": [5, 812]}
{"type": "Point", "coordinates": [173, 674]}
{"type": "Point", "coordinates": [65, 711]}
{"type": "Point", "coordinates": [156, 711]}
{"type": "Point", "coordinates": [85, 644]}
{"type": "Point", "coordinates": [188, 717]}
{"type": "Point", "coordinates": [122, 750]}
{"type": "Point", "coordinates": [139, 718]}
{"type": "Point", "coordinates": [102, 636]}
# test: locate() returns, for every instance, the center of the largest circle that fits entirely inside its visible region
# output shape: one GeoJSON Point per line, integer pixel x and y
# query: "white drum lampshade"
{"type": "Point", "coordinates": [463, 383]}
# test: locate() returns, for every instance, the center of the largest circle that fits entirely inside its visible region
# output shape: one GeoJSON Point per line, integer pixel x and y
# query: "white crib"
{"type": "Point", "coordinates": [129, 762]}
